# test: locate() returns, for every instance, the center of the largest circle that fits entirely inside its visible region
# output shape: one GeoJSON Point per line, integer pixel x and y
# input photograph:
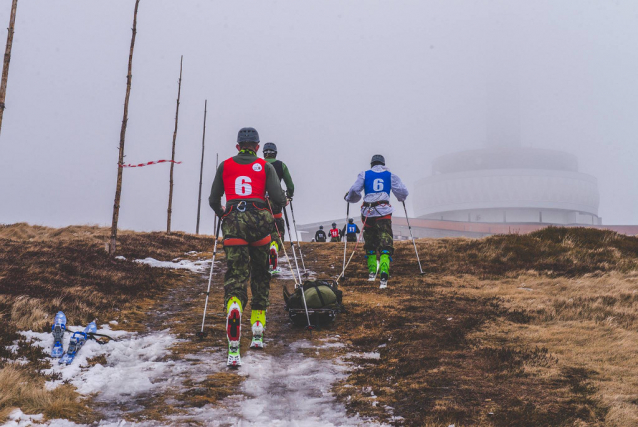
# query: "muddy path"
{"type": "Point", "coordinates": [290, 382]}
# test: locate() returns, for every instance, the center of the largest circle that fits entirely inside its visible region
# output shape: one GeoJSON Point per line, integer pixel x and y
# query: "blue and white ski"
{"type": "Point", "coordinates": [57, 329]}
{"type": "Point", "coordinates": [78, 339]}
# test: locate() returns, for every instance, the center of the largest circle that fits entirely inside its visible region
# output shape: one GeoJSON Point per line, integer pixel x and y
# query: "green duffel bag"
{"type": "Point", "coordinates": [323, 299]}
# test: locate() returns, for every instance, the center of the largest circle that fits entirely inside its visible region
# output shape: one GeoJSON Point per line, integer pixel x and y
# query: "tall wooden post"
{"type": "Point", "coordinates": [216, 167]}
{"type": "Point", "coordinates": [170, 188]}
{"type": "Point", "coordinates": [201, 171]}
{"type": "Point", "coordinates": [7, 59]}
{"type": "Point", "coordinates": [118, 188]}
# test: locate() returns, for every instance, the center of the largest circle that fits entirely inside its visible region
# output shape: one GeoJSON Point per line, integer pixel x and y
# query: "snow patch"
{"type": "Point", "coordinates": [194, 266]}
{"type": "Point", "coordinates": [17, 418]}
{"type": "Point", "coordinates": [134, 364]}
{"type": "Point", "coordinates": [121, 258]}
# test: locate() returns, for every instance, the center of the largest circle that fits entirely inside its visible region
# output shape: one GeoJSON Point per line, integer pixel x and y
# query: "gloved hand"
{"type": "Point", "coordinates": [346, 196]}
{"type": "Point", "coordinates": [289, 194]}
{"type": "Point", "coordinates": [220, 213]}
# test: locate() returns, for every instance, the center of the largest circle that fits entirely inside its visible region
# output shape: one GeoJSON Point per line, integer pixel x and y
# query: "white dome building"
{"type": "Point", "coordinates": [508, 185]}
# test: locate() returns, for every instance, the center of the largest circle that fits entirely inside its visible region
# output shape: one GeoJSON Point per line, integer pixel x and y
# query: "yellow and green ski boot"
{"type": "Point", "coordinates": [233, 331]}
{"type": "Point", "coordinates": [258, 320]}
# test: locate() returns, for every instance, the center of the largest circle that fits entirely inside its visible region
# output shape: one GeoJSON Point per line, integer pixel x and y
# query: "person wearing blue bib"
{"type": "Point", "coordinates": [376, 213]}
{"type": "Point", "coordinates": [350, 230]}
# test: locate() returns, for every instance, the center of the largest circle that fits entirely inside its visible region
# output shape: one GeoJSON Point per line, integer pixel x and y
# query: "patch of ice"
{"type": "Point", "coordinates": [369, 355]}
{"type": "Point", "coordinates": [287, 274]}
{"type": "Point", "coordinates": [194, 266]}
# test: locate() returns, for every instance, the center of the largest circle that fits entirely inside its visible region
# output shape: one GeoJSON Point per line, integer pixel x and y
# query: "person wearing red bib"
{"type": "Point", "coordinates": [247, 224]}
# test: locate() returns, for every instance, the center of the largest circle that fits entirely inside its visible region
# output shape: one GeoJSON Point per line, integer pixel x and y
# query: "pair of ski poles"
{"type": "Point", "coordinates": [201, 334]}
{"type": "Point", "coordinates": [343, 272]}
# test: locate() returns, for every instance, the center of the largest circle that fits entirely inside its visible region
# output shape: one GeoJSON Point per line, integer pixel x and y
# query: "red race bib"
{"type": "Point", "coordinates": [245, 181]}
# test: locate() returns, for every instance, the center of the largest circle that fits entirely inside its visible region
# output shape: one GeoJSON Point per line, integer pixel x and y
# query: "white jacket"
{"type": "Point", "coordinates": [398, 188]}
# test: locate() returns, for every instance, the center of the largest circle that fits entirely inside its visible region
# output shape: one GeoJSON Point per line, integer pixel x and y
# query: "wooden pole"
{"type": "Point", "coordinates": [216, 167]}
{"type": "Point", "coordinates": [7, 59]}
{"type": "Point", "coordinates": [170, 188]}
{"type": "Point", "coordinates": [118, 188]}
{"type": "Point", "coordinates": [201, 171]}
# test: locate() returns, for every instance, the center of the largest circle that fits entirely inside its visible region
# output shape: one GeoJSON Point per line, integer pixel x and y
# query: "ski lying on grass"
{"type": "Point", "coordinates": [77, 341]}
{"type": "Point", "coordinates": [57, 329]}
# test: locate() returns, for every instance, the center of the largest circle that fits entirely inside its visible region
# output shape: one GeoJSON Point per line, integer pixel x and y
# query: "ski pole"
{"type": "Point", "coordinates": [280, 234]}
{"type": "Point", "coordinates": [345, 243]}
{"type": "Point", "coordinates": [310, 326]}
{"type": "Point", "coordinates": [413, 242]}
{"type": "Point", "coordinates": [201, 334]}
{"type": "Point", "coordinates": [294, 223]}
{"type": "Point", "coordinates": [292, 243]}
{"type": "Point", "coordinates": [353, 252]}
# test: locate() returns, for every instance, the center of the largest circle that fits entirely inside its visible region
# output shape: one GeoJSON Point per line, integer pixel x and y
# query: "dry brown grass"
{"type": "Point", "coordinates": [509, 330]}
{"type": "Point", "coordinates": [44, 270]}
{"type": "Point", "coordinates": [21, 390]}
{"type": "Point", "coordinates": [590, 322]}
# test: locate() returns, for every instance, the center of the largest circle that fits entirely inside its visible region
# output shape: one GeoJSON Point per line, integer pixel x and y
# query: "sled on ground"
{"type": "Point", "coordinates": [323, 298]}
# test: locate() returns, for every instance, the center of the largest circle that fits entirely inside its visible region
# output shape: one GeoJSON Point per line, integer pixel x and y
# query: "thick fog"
{"type": "Point", "coordinates": [331, 82]}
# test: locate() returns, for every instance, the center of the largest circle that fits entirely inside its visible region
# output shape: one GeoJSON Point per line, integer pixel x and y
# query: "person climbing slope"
{"type": "Point", "coordinates": [283, 173]}
{"type": "Point", "coordinates": [350, 230]}
{"type": "Point", "coordinates": [247, 225]}
{"type": "Point", "coordinates": [334, 233]}
{"type": "Point", "coordinates": [320, 235]}
{"type": "Point", "coordinates": [376, 213]}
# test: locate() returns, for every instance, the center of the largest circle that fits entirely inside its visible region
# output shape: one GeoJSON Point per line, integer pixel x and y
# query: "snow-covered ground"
{"type": "Point", "coordinates": [291, 389]}
{"type": "Point", "coordinates": [135, 364]}
{"type": "Point", "coordinates": [184, 264]}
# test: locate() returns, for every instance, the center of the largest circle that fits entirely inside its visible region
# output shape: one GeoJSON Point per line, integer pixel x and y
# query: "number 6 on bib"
{"type": "Point", "coordinates": [243, 187]}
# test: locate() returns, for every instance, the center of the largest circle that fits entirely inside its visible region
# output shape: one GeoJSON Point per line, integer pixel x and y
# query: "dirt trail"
{"type": "Point", "coordinates": [287, 383]}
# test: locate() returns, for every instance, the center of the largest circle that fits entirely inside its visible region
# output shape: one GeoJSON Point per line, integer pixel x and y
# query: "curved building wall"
{"type": "Point", "coordinates": [510, 195]}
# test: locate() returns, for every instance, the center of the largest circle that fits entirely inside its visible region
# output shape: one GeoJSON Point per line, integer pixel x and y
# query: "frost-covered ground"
{"type": "Point", "coordinates": [291, 389]}
{"type": "Point", "coordinates": [287, 390]}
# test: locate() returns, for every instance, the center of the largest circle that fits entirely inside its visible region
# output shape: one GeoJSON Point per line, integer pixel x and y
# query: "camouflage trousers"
{"type": "Point", "coordinates": [246, 243]}
{"type": "Point", "coordinates": [278, 231]}
{"type": "Point", "coordinates": [377, 233]}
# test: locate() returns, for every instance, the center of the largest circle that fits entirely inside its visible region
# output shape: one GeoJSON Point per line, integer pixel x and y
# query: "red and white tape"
{"type": "Point", "coordinates": [149, 163]}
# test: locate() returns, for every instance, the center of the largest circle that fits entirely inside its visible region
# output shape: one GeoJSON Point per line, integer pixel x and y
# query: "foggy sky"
{"type": "Point", "coordinates": [330, 82]}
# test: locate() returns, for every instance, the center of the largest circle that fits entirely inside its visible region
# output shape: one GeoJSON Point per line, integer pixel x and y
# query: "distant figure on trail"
{"type": "Point", "coordinates": [247, 224]}
{"type": "Point", "coordinates": [334, 233]}
{"type": "Point", "coordinates": [320, 235]}
{"type": "Point", "coordinates": [350, 230]}
{"type": "Point", "coordinates": [376, 213]}
{"type": "Point", "coordinates": [270, 154]}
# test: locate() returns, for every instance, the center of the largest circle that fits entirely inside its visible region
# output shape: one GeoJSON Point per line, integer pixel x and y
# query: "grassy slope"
{"type": "Point", "coordinates": [43, 270]}
{"type": "Point", "coordinates": [507, 330]}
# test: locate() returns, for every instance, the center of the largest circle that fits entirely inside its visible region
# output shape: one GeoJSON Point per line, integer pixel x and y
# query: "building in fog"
{"type": "Point", "coordinates": [508, 184]}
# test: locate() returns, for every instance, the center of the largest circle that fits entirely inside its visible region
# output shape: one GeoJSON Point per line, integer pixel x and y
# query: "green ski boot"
{"type": "Point", "coordinates": [373, 265]}
{"type": "Point", "coordinates": [385, 268]}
